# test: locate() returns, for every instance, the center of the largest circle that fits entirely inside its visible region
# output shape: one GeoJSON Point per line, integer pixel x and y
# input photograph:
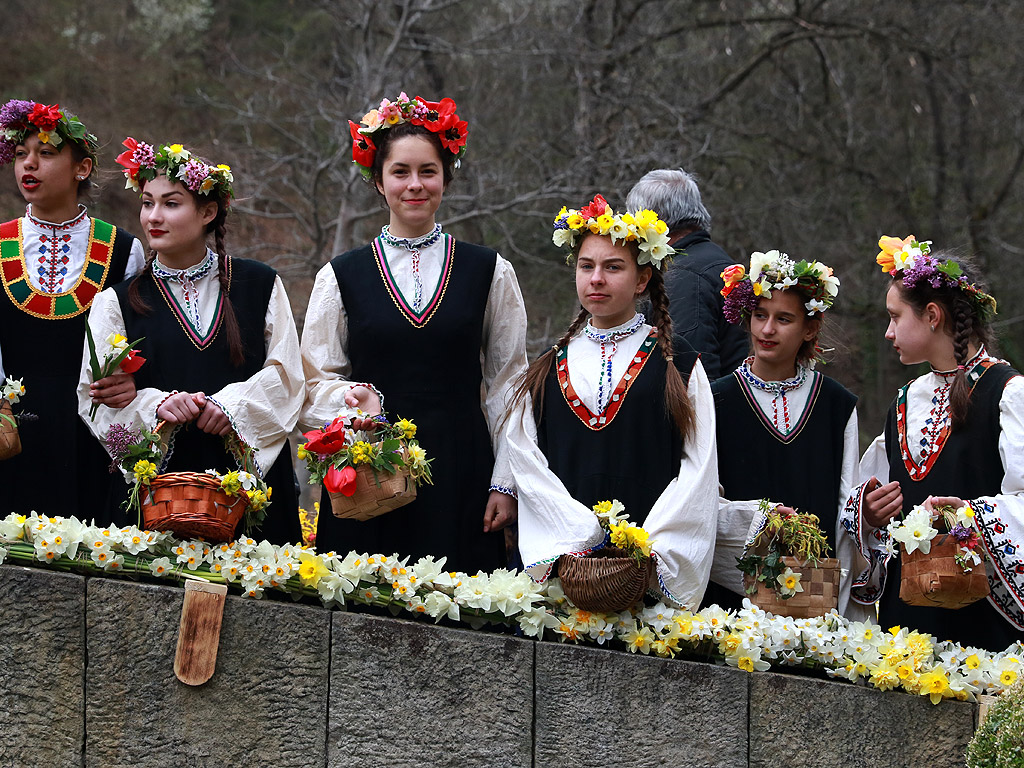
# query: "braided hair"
{"type": "Point", "coordinates": [962, 321]}
{"type": "Point", "coordinates": [219, 229]}
{"type": "Point", "coordinates": [677, 404]}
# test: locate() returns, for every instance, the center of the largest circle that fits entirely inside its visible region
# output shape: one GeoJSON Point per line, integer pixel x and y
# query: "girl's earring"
{"type": "Point", "coordinates": [933, 329]}
{"type": "Point", "coordinates": [80, 178]}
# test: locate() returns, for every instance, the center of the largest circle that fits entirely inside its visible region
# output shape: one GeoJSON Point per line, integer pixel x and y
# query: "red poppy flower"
{"type": "Point", "coordinates": [596, 208]}
{"type": "Point", "coordinates": [437, 112]}
{"type": "Point", "coordinates": [327, 441]}
{"type": "Point", "coordinates": [363, 148]}
{"type": "Point", "coordinates": [45, 117]}
{"type": "Point", "coordinates": [132, 363]}
{"type": "Point", "coordinates": [125, 158]}
{"type": "Point", "coordinates": [453, 133]}
{"type": "Point", "coordinates": [341, 481]}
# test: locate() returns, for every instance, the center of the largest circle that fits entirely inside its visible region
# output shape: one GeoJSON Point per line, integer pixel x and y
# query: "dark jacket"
{"type": "Point", "coordinates": [694, 284]}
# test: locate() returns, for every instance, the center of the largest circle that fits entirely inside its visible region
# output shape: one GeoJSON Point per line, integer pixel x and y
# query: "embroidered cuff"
{"type": "Point", "coordinates": [506, 490]}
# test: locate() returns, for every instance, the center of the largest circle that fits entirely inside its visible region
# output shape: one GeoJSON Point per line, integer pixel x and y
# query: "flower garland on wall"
{"type": "Point", "coordinates": [748, 639]}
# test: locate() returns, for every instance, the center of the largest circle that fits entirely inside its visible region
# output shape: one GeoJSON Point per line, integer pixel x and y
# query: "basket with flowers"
{"type": "Point", "coordinates": [616, 576]}
{"type": "Point", "coordinates": [366, 473]}
{"type": "Point", "coordinates": [784, 567]}
{"type": "Point", "coordinates": [10, 395]}
{"type": "Point", "coordinates": [207, 505]}
{"type": "Point", "coordinates": [940, 569]}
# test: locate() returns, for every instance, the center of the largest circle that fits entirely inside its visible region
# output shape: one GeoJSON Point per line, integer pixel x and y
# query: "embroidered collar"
{"type": "Point", "coordinates": [790, 429]}
{"type": "Point", "coordinates": [775, 388]}
{"type": "Point", "coordinates": [416, 317]}
{"type": "Point", "coordinates": [617, 333]}
{"type": "Point", "coordinates": [184, 315]}
{"type": "Point", "coordinates": [55, 306]}
{"type": "Point", "coordinates": [411, 243]}
{"type": "Point", "coordinates": [969, 365]}
{"type": "Point", "coordinates": [188, 278]}
{"type": "Point", "coordinates": [71, 223]}
{"type": "Point", "coordinates": [590, 420]}
{"type": "Point", "coordinates": [607, 338]}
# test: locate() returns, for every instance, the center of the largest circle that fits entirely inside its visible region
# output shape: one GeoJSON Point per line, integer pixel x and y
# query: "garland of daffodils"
{"type": "Point", "coordinates": [748, 639]}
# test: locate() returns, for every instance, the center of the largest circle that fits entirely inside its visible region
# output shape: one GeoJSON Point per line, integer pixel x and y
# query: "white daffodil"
{"type": "Point", "coordinates": [815, 305]}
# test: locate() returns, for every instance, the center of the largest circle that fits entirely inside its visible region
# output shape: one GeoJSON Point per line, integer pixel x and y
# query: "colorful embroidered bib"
{"type": "Point", "coordinates": [55, 306]}
{"type": "Point", "coordinates": [417, 319]}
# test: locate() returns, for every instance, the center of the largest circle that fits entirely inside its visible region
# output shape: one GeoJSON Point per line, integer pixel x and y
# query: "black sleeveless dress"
{"type": "Point", "coordinates": [175, 360]}
{"type": "Point", "coordinates": [62, 468]}
{"type": "Point", "coordinates": [427, 365]}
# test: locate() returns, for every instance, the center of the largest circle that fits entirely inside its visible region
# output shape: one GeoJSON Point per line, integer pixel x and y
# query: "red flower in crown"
{"type": "Point", "coordinates": [453, 133]}
{"type": "Point", "coordinates": [363, 148]}
{"type": "Point", "coordinates": [437, 112]}
{"type": "Point", "coordinates": [596, 208]}
{"type": "Point", "coordinates": [45, 117]}
{"type": "Point", "coordinates": [125, 158]}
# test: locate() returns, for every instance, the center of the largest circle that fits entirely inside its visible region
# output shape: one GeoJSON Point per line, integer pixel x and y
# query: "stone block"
{"type": "Point", "coordinates": [42, 667]}
{"type": "Point", "coordinates": [798, 721]}
{"type": "Point", "coordinates": [606, 708]}
{"type": "Point", "coordinates": [266, 703]}
{"type": "Point", "coordinates": [412, 694]}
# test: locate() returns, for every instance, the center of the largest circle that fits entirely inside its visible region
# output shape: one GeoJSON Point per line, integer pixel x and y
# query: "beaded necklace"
{"type": "Point", "coordinates": [187, 278]}
{"type": "Point", "coordinates": [777, 389]}
{"type": "Point", "coordinates": [607, 338]}
{"type": "Point", "coordinates": [413, 245]}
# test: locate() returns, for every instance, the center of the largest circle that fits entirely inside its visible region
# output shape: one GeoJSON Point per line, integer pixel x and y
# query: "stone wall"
{"type": "Point", "coordinates": [86, 678]}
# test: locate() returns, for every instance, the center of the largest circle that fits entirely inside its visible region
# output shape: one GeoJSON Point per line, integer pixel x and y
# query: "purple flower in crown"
{"type": "Point", "coordinates": [740, 301]}
{"type": "Point", "coordinates": [194, 173]}
{"type": "Point", "coordinates": [143, 155]}
{"type": "Point", "coordinates": [15, 111]}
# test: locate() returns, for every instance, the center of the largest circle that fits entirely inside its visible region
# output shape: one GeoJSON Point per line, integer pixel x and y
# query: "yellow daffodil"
{"type": "Point", "coordinates": [144, 471]}
{"type": "Point", "coordinates": [407, 427]}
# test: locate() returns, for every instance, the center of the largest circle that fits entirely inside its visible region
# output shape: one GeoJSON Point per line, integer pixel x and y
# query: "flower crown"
{"type": "Point", "coordinates": [910, 260]}
{"type": "Point", "coordinates": [436, 116]}
{"type": "Point", "coordinates": [143, 163]}
{"type": "Point", "coordinates": [598, 217]}
{"type": "Point", "coordinates": [54, 125]}
{"type": "Point", "coordinates": [776, 271]}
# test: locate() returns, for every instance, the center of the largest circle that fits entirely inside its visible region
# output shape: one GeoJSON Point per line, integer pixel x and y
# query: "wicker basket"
{"type": "Point", "coordinates": [192, 505]}
{"type": "Point", "coordinates": [821, 590]}
{"type": "Point", "coordinates": [936, 580]}
{"type": "Point", "coordinates": [605, 581]}
{"type": "Point", "coordinates": [375, 494]}
{"type": "Point", "coordinates": [10, 442]}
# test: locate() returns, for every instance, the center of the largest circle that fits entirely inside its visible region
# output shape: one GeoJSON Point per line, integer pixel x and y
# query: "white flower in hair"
{"type": "Point", "coordinates": [760, 261]}
{"type": "Point", "coordinates": [815, 305]}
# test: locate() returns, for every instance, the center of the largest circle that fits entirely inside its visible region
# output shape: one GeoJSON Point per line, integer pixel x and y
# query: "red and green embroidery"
{"type": "Point", "coordinates": [200, 340]}
{"type": "Point", "coordinates": [778, 434]}
{"type": "Point", "coordinates": [55, 306]}
{"type": "Point", "coordinates": [417, 319]}
{"type": "Point", "coordinates": [598, 422]}
{"type": "Point", "coordinates": [920, 471]}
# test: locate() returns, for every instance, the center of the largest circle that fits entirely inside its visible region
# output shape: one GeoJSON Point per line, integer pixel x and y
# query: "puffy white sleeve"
{"type": "Point", "coordinates": [136, 259]}
{"type": "Point", "coordinates": [683, 521]}
{"type": "Point", "coordinates": [265, 407]}
{"type": "Point", "coordinates": [325, 362]}
{"type": "Point", "coordinates": [851, 561]}
{"type": "Point", "coordinates": [867, 575]}
{"type": "Point", "coordinates": [104, 319]}
{"type": "Point", "coordinates": [504, 361]}
{"type": "Point", "coordinates": [1000, 518]}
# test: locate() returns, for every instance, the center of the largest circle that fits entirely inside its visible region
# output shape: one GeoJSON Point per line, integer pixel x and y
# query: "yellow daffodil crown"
{"type": "Point", "coordinates": [643, 227]}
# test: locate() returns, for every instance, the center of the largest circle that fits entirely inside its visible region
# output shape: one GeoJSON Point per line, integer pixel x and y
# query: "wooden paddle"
{"type": "Point", "coordinates": [199, 631]}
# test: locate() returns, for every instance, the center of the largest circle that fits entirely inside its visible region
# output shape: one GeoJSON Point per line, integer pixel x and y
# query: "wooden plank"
{"type": "Point", "coordinates": [199, 631]}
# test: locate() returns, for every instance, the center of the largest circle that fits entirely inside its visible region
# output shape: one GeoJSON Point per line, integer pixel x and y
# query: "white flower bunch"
{"type": "Point", "coordinates": [915, 531]}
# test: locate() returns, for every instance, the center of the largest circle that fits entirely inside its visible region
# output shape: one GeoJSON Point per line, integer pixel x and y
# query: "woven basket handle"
{"type": "Point", "coordinates": [243, 453]}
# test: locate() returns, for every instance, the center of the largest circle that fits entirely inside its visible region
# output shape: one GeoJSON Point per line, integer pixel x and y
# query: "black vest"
{"type": "Point", "coordinates": [631, 458]}
{"type": "Point", "coordinates": [428, 372]}
{"type": "Point", "coordinates": [802, 470]}
{"type": "Point", "coordinates": [174, 362]}
{"type": "Point", "coordinates": [62, 469]}
{"type": "Point", "coordinates": [969, 466]}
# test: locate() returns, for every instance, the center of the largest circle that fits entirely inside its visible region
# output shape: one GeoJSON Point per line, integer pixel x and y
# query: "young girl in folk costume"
{"type": "Point", "coordinates": [426, 320]}
{"type": "Point", "coordinates": [786, 432]}
{"type": "Point", "coordinates": [53, 262]}
{"type": "Point", "coordinates": [613, 412]}
{"type": "Point", "coordinates": [953, 436]}
{"type": "Point", "coordinates": [218, 336]}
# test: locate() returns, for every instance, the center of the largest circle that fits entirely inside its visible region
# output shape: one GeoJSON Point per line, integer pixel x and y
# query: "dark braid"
{"type": "Point", "coordinates": [234, 335]}
{"type": "Point", "coordinates": [963, 332]}
{"type": "Point", "coordinates": [677, 403]}
{"type": "Point", "coordinates": [532, 382]}
{"type": "Point", "coordinates": [135, 299]}
{"type": "Point", "coordinates": [961, 320]}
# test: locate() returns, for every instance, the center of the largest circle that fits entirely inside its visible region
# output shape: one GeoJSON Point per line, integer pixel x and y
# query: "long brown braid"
{"type": "Point", "coordinates": [219, 229]}
{"type": "Point", "coordinates": [677, 403]}
{"type": "Point", "coordinates": [961, 321]}
{"type": "Point", "coordinates": [533, 381]}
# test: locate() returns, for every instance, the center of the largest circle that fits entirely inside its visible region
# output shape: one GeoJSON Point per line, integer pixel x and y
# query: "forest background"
{"type": "Point", "coordinates": [814, 127]}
